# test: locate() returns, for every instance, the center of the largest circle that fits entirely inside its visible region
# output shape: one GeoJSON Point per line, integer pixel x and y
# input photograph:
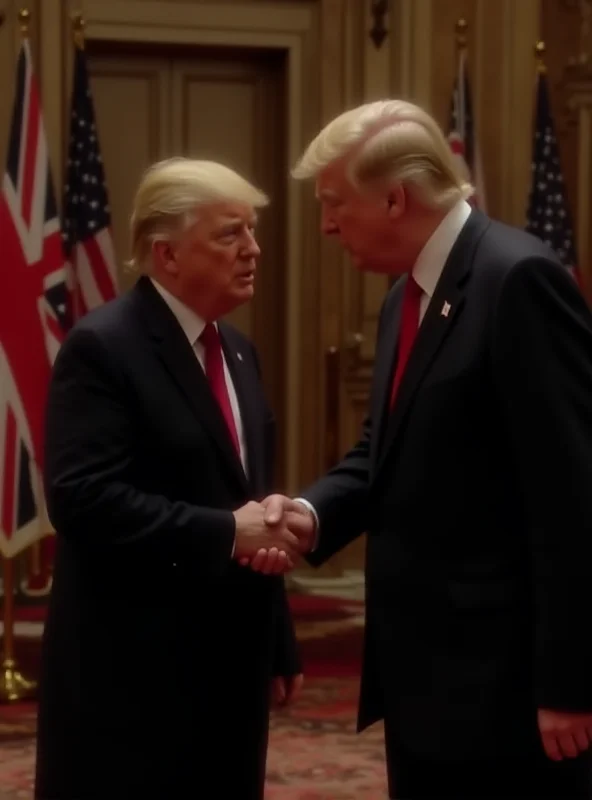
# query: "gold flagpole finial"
{"type": "Point", "coordinates": [539, 52]}
{"type": "Point", "coordinates": [78, 29]}
{"type": "Point", "coordinates": [461, 28]}
{"type": "Point", "coordinates": [24, 18]}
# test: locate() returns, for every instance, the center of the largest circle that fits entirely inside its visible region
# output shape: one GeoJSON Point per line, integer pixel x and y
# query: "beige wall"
{"type": "Point", "coordinates": [331, 64]}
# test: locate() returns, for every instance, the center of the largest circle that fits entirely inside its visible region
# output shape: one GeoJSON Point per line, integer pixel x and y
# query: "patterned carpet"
{"type": "Point", "coordinates": [314, 751]}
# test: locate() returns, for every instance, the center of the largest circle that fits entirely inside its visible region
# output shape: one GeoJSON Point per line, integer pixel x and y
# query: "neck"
{"type": "Point", "coordinates": [173, 288]}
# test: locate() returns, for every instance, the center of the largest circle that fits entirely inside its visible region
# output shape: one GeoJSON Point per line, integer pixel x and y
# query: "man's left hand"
{"type": "Point", "coordinates": [565, 734]}
{"type": "Point", "coordinates": [285, 689]}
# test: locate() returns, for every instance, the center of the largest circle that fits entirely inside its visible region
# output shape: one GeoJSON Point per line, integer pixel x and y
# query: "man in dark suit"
{"type": "Point", "coordinates": [160, 651]}
{"type": "Point", "coordinates": [472, 477]}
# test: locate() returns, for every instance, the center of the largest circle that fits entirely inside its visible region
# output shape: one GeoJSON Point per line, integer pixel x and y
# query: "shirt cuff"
{"type": "Point", "coordinates": [312, 510]}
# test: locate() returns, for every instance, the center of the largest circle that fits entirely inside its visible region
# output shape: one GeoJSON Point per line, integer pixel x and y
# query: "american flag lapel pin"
{"type": "Point", "coordinates": [445, 309]}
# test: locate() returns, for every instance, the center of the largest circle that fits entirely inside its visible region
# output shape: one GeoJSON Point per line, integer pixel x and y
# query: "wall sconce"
{"type": "Point", "coordinates": [379, 31]}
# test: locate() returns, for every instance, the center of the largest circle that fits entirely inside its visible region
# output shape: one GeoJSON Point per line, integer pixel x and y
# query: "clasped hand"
{"type": "Point", "coordinates": [272, 535]}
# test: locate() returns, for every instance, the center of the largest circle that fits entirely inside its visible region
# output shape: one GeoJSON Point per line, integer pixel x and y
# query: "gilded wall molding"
{"type": "Point", "coordinates": [521, 30]}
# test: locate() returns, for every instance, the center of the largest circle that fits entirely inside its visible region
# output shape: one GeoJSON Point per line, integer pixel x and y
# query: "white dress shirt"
{"type": "Point", "coordinates": [192, 326]}
{"type": "Point", "coordinates": [433, 257]}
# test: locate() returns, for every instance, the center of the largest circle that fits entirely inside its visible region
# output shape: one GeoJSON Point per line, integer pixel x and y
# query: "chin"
{"type": "Point", "coordinates": [373, 265]}
{"type": "Point", "coordinates": [244, 294]}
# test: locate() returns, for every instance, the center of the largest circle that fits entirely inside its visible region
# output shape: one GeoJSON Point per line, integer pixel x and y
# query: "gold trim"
{"type": "Point", "coordinates": [50, 76]}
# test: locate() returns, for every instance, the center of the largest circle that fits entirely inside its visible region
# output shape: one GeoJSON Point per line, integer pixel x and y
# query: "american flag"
{"type": "Point", "coordinates": [34, 313]}
{"type": "Point", "coordinates": [462, 134]}
{"type": "Point", "coordinates": [87, 219]}
{"type": "Point", "coordinates": [548, 214]}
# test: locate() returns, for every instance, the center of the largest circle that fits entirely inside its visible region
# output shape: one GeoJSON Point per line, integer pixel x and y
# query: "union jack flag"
{"type": "Point", "coordinates": [462, 134]}
{"type": "Point", "coordinates": [34, 314]}
{"type": "Point", "coordinates": [87, 219]}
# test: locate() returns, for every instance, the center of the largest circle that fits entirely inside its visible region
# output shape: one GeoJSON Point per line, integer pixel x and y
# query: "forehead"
{"type": "Point", "coordinates": [226, 212]}
{"type": "Point", "coordinates": [332, 183]}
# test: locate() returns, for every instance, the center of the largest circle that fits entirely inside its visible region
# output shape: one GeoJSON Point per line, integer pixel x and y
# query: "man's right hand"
{"type": "Point", "coordinates": [253, 534]}
{"type": "Point", "coordinates": [280, 513]}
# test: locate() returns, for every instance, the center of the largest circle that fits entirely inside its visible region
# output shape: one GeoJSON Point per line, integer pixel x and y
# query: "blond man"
{"type": "Point", "coordinates": [472, 475]}
{"type": "Point", "coordinates": [162, 652]}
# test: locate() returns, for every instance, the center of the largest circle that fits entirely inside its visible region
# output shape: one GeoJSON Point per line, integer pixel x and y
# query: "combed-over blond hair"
{"type": "Point", "coordinates": [170, 194]}
{"type": "Point", "coordinates": [390, 140]}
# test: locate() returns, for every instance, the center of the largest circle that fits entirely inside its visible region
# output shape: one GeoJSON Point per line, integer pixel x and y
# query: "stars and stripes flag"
{"type": "Point", "coordinates": [462, 132]}
{"type": "Point", "coordinates": [548, 215]}
{"type": "Point", "coordinates": [34, 313]}
{"type": "Point", "coordinates": [87, 220]}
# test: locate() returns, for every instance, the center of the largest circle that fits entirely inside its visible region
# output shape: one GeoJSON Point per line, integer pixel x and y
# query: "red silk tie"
{"type": "Point", "coordinates": [214, 364]}
{"type": "Point", "coordinates": [408, 330]}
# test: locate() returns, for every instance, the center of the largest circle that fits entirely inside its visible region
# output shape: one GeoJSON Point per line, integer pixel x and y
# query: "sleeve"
{"type": "Point", "coordinates": [542, 361]}
{"type": "Point", "coordinates": [340, 501]}
{"type": "Point", "coordinates": [286, 660]}
{"type": "Point", "coordinates": [92, 497]}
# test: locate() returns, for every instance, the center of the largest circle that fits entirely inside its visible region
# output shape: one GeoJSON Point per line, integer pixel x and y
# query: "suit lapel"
{"type": "Point", "coordinates": [443, 311]}
{"type": "Point", "coordinates": [179, 359]}
{"type": "Point", "coordinates": [249, 407]}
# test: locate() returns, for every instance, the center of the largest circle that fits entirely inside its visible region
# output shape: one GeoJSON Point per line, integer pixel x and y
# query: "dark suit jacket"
{"type": "Point", "coordinates": [159, 649]}
{"type": "Point", "coordinates": [476, 493]}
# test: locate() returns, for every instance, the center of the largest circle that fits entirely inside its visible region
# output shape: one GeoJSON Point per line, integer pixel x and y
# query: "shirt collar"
{"type": "Point", "coordinates": [191, 323]}
{"type": "Point", "coordinates": [433, 257]}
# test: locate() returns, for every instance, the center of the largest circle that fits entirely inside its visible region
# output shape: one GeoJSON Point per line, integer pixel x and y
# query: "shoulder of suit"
{"type": "Point", "coordinates": [508, 246]}
{"type": "Point", "coordinates": [112, 322]}
{"type": "Point", "coordinates": [504, 248]}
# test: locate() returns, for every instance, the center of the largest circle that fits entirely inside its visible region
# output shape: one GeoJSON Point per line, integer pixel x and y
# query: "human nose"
{"type": "Point", "coordinates": [252, 249]}
{"type": "Point", "coordinates": [328, 224]}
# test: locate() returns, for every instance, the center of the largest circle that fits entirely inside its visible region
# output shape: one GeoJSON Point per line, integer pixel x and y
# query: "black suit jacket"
{"type": "Point", "coordinates": [155, 637]}
{"type": "Point", "coordinates": [476, 493]}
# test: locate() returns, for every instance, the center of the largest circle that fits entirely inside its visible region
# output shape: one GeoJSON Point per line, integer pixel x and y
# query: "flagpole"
{"type": "Point", "coordinates": [78, 29]}
{"type": "Point", "coordinates": [13, 686]}
{"type": "Point", "coordinates": [461, 28]}
{"type": "Point", "coordinates": [539, 53]}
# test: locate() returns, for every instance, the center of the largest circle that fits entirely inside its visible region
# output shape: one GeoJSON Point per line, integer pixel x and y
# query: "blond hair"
{"type": "Point", "coordinates": [171, 191]}
{"type": "Point", "coordinates": [390, 140]}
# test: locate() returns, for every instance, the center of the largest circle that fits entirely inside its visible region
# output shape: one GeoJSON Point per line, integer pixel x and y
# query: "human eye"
{"type": "Point", "coordinates": [228, 235]}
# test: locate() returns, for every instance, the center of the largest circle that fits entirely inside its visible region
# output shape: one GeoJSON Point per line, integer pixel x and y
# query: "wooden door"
{"type": "Point", "coordinates": [223, 104]}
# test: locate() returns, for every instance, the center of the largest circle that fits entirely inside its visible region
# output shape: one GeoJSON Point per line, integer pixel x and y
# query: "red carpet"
{"type": "Point", "coordinates": [314, 752]}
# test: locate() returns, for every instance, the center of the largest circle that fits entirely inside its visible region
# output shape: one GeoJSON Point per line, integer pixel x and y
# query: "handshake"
{"type": "Point", "coordinates": [272, 535]}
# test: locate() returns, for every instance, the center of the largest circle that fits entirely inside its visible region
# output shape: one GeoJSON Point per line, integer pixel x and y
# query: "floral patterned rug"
{"type": "Point", "coordinates": [314, 752]}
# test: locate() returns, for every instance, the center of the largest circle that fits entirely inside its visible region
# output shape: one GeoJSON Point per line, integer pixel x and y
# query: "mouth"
{"type": "Point", "coordinates": [246, 278]}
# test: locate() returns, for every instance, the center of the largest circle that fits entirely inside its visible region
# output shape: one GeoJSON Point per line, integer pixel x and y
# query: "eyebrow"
{"type": "Point", "coordinates": [232, 221]}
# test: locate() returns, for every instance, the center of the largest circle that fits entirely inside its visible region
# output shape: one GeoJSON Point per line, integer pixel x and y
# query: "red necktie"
{"type": "Point", "coordinates": [408, 330]}
{"type": "Point", "coordinates": [214, 363]}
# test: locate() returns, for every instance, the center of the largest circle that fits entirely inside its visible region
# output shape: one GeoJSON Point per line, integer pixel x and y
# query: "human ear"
{"type": "Point", "coordinates": [164, 256]}
{"type": "Point", "coordinates": [396, 201]}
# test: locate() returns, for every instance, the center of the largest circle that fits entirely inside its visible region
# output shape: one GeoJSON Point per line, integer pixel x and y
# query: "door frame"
{"type": "Point", "coordinates": [238, 25]}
